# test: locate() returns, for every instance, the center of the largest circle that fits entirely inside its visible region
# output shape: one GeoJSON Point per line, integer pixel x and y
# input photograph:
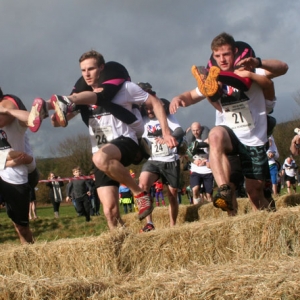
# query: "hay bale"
{"type": "Point", "coordinates": [243, 279]}
{"type": "Point", "coordinates": [250, 256]}
{"type": "Point", "coordinates": [288, 200]}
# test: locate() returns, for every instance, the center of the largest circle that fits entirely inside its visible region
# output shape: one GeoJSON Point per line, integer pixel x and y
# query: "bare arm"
{"type": "Point", "coordinates": [21, 115]}
{"type": "Point", "coordinates": [16, 158]}
{"type": "Point", "coordinates": [295, 145]}
{"type": "Point", "coordinates": [185, 99]}
{"type": "Point", "coordinates": [264, 82]}
{"type": "Point", "coordinates": [160, 114]}
{"type": "Point", "coordinates": [273, 67]}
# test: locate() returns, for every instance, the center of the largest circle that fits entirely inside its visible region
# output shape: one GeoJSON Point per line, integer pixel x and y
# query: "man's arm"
{"type": "Point", "coordinates": [273, 67]}
{"type": "Point", "coordinates": [185, 99]}
{"type": "Point", "coordinates": [264, 82]}
{"type": "Point", "coordinates": [295, 145]}
{"type": "Point", "coordinates": [7, 118]}
{"type": "Point", "coordinates": [160, 114]}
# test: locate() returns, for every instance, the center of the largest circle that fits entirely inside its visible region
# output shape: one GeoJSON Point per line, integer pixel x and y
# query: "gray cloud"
{"type": "Point", "coordinates": [158, 42]}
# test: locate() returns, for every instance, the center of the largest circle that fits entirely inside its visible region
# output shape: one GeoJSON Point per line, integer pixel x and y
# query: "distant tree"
{"type": "Point", "coordinates": [76, 151]}
{"type": "Point", "coordinates": [72, 152]}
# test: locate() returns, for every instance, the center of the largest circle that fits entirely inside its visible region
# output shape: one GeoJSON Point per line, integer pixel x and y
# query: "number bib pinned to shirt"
{"type": "Point", "coordinates": [159, 149]}
{"type": "Point", "coordinates": [103, 135]}
{"type": "Point", "coordinates": [238, 116]}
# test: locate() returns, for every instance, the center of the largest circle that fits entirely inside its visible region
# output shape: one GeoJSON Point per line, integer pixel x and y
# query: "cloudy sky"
{"type": "Point", "coordinates": [157, 40]}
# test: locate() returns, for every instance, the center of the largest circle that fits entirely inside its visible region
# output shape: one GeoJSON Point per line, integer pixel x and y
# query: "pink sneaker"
{"type": "Point", "coordinates": [147, 227]}
{"type": "Point", "coordinates": [144, 204]}
{"type": "Point", "coordinates": [39, 111]}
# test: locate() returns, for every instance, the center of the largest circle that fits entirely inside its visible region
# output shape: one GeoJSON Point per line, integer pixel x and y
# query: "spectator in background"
{"type": "Point", "coordinates": [81, 189]}
{"type": "Point", "coordinates": [273, 154]}
{"type": "Point", "coordinates": [159, 193]}
{"type": "Point", "coordinates": [32, 204]}
{"type": "Point", "coordinates": [95, 201]}
{"type": "Point", "coordinates": [126, 198]}
{"type": "Point", "coordinates": [289, 169]}
{"type": "Point", "coordinates": [72, 197]}
{"type": "Point", "coordinates": [55, 193]}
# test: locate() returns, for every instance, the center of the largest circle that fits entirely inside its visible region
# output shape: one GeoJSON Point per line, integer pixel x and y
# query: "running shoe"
{"type": "Point", "coordinates": [39, 111]}
{"type": "Point", "coordinates": [200, 73]}
{"type": "Point", "coordinates": [148, 227]}
{"type": "Point", "coordinates": [207, 81]}
{"type": "Point", "coordinates": [62, 105]}
{"type": "Point", "coordinates": [223, 198]}
{"type": "Point", "coordinates": [211, 85]}
{"type": "Point", "coordinates": [144, 204]}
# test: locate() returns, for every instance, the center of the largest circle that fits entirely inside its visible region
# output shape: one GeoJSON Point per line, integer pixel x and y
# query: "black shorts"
{"type": "Point", "coordinates": [16, 198]}
{"type": "Point", "coordinates": [254, 159]}
{"type": "Point", "coordinates": [236, 175]}
{"type": "Point", "coordinates": [206, 179]}
{"type": "Point", "coordinates": [169, 171]}
{"type": "Point", "coordinates": [291, 179]}
{"type": "Point", "coordinates": [129, 149]}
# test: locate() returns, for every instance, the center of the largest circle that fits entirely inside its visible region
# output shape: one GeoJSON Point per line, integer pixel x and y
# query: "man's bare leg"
{"type": "Point", "coordinates": [219, 145]}
{"type": "Point", "coordinates": [109, 197]}
{"type": "Point", "coordinates": [107, 159]}
{"type": "Point", "coordinates": [174, 206]}
{"type": "Point", "coordinates": [255, 190]}
{"type": "Point", "coordinates": [24, 233]}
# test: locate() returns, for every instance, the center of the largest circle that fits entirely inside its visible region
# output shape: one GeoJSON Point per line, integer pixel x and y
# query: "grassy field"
{"type": "Point", "coordinates": [47, 228]}
{"type": "Point", "coordinates": [68, 225]}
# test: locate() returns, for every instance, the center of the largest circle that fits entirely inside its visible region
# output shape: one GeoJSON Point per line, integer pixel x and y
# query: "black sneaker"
{"type": "Point", "coordinates": [62, 105]}
{"type": "Point", "coordinates": [148, 227]}
{"type": "Point", "coordinates": [223, 198]}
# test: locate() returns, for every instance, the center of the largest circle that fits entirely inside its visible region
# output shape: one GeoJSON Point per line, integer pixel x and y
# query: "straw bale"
{"type": "Point", "coordinates": [251, 236]}
{"type": "Point", "coordinates": [65, 257]}
{"type": "Point", "coordinates": [244, 279]}
{"type": "Point", "coordinates": [250, 256]}
{"type": "Point", "coordinates": [288, 200]}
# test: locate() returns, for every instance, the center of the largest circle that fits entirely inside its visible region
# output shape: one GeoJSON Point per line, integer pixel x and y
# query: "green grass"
{"type": "Point", "coordinates": [47, 228]}
{"type": "Point", "coordinates": [68, 225]}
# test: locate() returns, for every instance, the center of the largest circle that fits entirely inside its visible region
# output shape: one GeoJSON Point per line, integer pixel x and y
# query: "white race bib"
{"type": "Point", "coordinates": [238, 116]}
{"type": "Point", "coordinates": [160, 149]}
{"type": "Point", "coordinates": [103, 135]}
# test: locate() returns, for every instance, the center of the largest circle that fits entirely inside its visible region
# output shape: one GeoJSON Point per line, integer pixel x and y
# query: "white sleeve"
{"type": "Point", "coordinates": [260, 71]}
{"type": "Point", "coordinates": [198, 92]}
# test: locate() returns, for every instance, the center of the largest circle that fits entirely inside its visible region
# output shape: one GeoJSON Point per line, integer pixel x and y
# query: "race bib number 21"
{"type": "Point", "coordinates": [238, 116]}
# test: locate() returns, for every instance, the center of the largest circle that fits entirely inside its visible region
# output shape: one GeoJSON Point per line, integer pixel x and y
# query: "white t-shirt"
{"type": "Point", "coordinates": [290, 169]}
{"type": "Point", "coordinates": [273, 149]}
{"type": "Point", "coordinates": [152, 129]}
{"type": "Point", "coordinates": [103, 128]}
{"type": "Point", "coordinates": [247, 118]}
{"type": "Point", "coordinates": [14, 134]}
{"type": "Point", "coordinates": [200, 169]}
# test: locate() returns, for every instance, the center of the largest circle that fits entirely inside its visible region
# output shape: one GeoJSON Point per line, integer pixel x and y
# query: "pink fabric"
{"type": "Point", "coordinates": [116, 81]}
